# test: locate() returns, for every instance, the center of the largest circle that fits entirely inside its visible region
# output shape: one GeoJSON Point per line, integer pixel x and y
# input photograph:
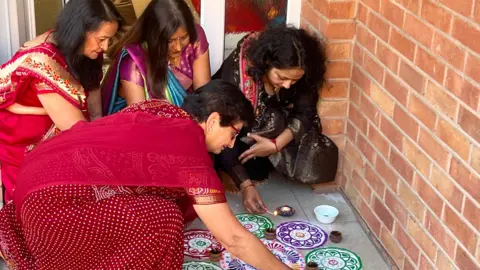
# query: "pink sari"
{"type": "Point", "coordinates": [115, 193]}
{"type": "Point", "coordinates": [31, 72]}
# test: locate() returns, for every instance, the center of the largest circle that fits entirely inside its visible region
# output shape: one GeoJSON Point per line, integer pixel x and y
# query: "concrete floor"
{"type": "Point", "coordinates": [279, 191]}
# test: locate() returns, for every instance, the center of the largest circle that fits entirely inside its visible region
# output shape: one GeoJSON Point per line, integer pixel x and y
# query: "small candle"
{"type": "Point", "coordinates": [285, 208]}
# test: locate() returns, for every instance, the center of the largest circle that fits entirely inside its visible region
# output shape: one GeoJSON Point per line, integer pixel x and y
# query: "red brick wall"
{"type": "Point", "coordinates": [412, 140]}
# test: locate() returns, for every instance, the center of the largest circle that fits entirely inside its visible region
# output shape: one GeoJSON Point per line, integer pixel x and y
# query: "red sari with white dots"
{"type": "Point", "coordinates": [112, 194]}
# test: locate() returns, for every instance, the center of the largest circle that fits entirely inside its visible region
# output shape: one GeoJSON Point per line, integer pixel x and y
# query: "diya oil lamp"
{"type": "Point", "coordinates": [335, 236]}
{"type": "Point", "coordinates": [311, 266]}
{"type": "Point", "coordinates": [270, 233]}
{"type": "Point", "coordinates": [285, 211]}
{"type": "Point", "coordinates": [215, 254]}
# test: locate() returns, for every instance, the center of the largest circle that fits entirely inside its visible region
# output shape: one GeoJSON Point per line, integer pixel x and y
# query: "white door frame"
{"type": "Point", "coordinates": [212, 19]}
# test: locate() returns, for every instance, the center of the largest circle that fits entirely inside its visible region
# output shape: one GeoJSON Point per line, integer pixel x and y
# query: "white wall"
{"type": "Point", "coordinates": [5, 47]}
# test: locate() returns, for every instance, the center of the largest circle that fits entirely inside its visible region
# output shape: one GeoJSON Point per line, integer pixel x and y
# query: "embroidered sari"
{"type": "Point", "coordinates": [90, 200]}
{"type": "Point", "coordinates": [310, 158]}
{"type": "Point", "coordinates": [31, 72]}
{"type": "Point", "coordinates": [130, 66]}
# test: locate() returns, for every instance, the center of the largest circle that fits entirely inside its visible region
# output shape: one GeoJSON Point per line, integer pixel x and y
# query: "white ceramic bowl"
{"type": "Point", "coordinates": [326, 214]}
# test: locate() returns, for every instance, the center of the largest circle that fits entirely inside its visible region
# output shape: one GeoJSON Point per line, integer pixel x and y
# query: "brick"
{"type": "Point", "coordinates": [374, 68]}
{"type": "Point", "coordinates": [473, 67]}
{"type": "Point", "coordinates": [372, 221]}
{"type": "Point", "coordinates": [321, 6]}
{"type": "Point", "coordinates": [387, 174]}
{"type": "Point", "coordinates": [405, 122]}
{"type": "Point", "coordinates": [351, 132]}
{"type": "Point", "coordinates": [445, 186]}
{"type": "Point", "coordinates": [412, 77]}
{"type": "Point", "coordinates": [353, 156]}
{"type": "Point", "coordinates": [396, 89]}
{"type": "Point", "coordinates": [392, 247]}
{"type": "Point", "coordinates": [443, 262]}
{"type": "Point", "coordinates": [476, 15]}
{"type": "Point", "coordinates": [333, 126]}
{"type": "Point", "coordinates": [401, 166]}
{"type": "Point", "coordinates": [464, 261]}
{"type": "Point", "coordinates": [373, 4]}
{"type": "Point", "coordinates": [431, 65]}
{"type": "Point", "coordinates": [412, 5]}
{"type": "Point", "coordinates": [339, 140]}
{"type": "Point", "coordinates": [335, 89]}
{"type": "Point", "coordinates": [375, 181]}
{"type": "Point", "coordinates": [418, 30]}
{"type": "Point", "coordinates": [392, 12]}
{"type": "Point", "coordinates": [445, 48]}
{"type": "Point", "coordinates": [411, 201]}
{"type": "Point", "coordinates": [422, 238]}
{"type": "Point", "coordinates": [370, 110]}
{"type": "Point", "coordinates": [387, 57]}
{"type": "Point", "coordinates": [358, 54]}
{"type": "Point", "coordinates": [425, 264]}
{"type": "Point", "coordinates": [383, 214]}
{"type": "Point", "coordinates": [391, 132]}
{"type": "Point", "coordinates": [352, 194]}
{"type": "Point", "coordinates": [416, 157]}
{"type": "Point", "coordinates": [428, 195]}
{"type": "Point", "coordinates": [437, 230]}
{"type": "Point", "coordinates": [380, 143]}
{"type": "Point", "coordinates": [472, 213]}
{"type": "Point", "coordinates": [437, 16]}
{"type": "Point", "coordinates": [470, 123]}
{"type": "Point", "coordinates": [407, 244]}
{"type": "Point", "coordinates": [358, 119]}
{"type": "Point", "coordinates": [461, 88]}
{"type": "Point", "coordinates": [435, 150]}
{"type": "Point", "coordinates": [309, 14]}
{"type": "Point", "coordinates": [362, 13]}
{"type": "Point", "coordinates": [467, 180]}
{"type": "Point", "coordinates": [338, 70]}
{"type": "Point", "coordinates": [460, 229]}
{"type": "Point", "coordinates": [463, 7]}
{"type": "Point", "coordinates": [340, 30]}
{"type": "Point", "coordinates": [420, 110]}
{"type": "Point", "coordinates": [341, 10]}
{"type": "Point", "coordinates": [453, 138]}
{"type": "Point", "coordinates": [339, 50]}
{"type": "Point", "coordinates": [336, 108]}
{"type": "Point", "coordinates": [395, 206]}
{"type": "Point", "coordinates": [439, 98]}
{"type": "Point", "coordinates": [467, 34]}
{"type": "Point", "coordinates": [378, 26]}
{"type": "Point", "coordinates": [407, 264]}
{"type": "Point", "coordinates": [361, 186]}
{"type": "Point", "coordinates": [403, 45]}
{"type": "Point", "coordinates": [366, 39]}
{"type": "Point", "coordinates": [354, 95]}
{"type": "Point", "coordinates": [382, 99]}
{"type": "Point", "coordinates": [366, 149]}
{"type": "Point", "coordinates": [360, 79]}
{"type": "Point", "coordinates": [475, 159]}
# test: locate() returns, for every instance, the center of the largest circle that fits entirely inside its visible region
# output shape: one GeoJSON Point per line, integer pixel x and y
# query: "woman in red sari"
{"type": "Point", "coordinates": [116, 193]}
{"type": "Point", "coordinates": [43, 88]}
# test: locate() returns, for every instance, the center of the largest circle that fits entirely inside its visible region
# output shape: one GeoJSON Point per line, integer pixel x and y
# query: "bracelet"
{"type": "Point", "coordinates": [275, 142]}
{"type": "Point", "coordinates": [249, 185]}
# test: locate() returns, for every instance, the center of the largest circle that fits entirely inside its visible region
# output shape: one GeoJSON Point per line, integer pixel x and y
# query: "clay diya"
{"type": "Point", "coordinates": [311, 266]}
{"type": "Point", "coordinates": [285, 211]}
{"type": "Point", "coordinates": [270, 233]}
{"type": "Point", "coordinates": [335, 236]}
{"type": "Point", "coordinates": [215, 254]}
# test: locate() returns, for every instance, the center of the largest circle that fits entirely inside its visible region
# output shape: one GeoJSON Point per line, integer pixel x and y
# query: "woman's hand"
{"type": "Point", "coordinates": [251, 199]}
{"type": "Point", "coordinates": [262, 148]}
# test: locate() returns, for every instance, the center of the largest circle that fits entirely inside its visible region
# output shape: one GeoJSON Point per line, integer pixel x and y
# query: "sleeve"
{"type": "Point", "coordinates": [304, 111]}
{"type": "Point", "coordinates": [129, 72]}
{"type": "Point", "coordinates": [228, 161]}
{"type": "Point", "coordinates": [201, 44]}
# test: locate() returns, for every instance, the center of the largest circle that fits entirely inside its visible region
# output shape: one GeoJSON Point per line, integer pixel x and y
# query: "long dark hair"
{"type": "Point", "coordinates": [288, 47]}
{"type": "Point", "coordinates": [156, 25]}
{"type": "Point", "coordinates": [77, 18]}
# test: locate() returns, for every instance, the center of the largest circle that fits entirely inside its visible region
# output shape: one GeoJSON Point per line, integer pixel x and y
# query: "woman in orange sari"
{"type": "Point", "coordinates": [116, 193]}
{"type": "Point", "coordinates": [43, 88]}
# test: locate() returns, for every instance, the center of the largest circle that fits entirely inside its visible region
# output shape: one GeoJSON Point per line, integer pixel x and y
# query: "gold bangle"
{"type": "Point", "coordinates": [249, 185]}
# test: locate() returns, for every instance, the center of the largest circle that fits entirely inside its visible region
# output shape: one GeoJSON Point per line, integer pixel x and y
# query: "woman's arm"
{"type": "Point", "coordinates": [201, 70]}
{"type": "Point", "coordinates": [131, 92]}
{"type": "Point", "coordinates": [94, 102]}
{"type": "Point", "coordinates": [242, 244]}
{"type": "Point", "coordinates": [63, 114]}
{"type": "Point", "coordinates": [21, 109]}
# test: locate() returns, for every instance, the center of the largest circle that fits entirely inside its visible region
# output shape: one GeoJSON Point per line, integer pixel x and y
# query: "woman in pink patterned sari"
{"type": "Point", "coordinates": [43, 88]}
{"type": "Point", "coordinates": [116, 193]}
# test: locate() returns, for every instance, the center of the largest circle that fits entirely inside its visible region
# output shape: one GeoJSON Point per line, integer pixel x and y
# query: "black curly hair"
{"type": "Point", "coordinates": [288, 47]}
